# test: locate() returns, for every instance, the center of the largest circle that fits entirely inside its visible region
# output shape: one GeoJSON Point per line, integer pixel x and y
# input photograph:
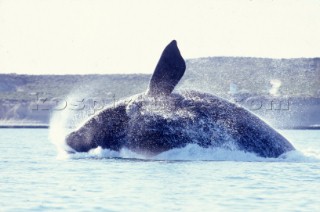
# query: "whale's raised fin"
{"type": "Point", "coordinates": [168, 72]}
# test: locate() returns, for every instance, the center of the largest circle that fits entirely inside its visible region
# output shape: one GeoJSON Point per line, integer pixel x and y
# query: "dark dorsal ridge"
{"type": "Point", "coordinates": [168, 72]}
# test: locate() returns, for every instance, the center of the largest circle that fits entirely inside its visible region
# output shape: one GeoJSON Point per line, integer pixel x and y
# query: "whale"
{"type": "Point", "coordinates": [161, 119]}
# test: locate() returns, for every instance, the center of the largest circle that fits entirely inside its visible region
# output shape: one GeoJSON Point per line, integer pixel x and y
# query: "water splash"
{"type": "Point", "coordinates": [193, 152]}
{"type": "Point", "coordinates": [274, 90]}
{"type": "Point", "coordinates": [62, 122]}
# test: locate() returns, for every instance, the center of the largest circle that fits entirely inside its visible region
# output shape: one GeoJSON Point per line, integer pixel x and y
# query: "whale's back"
{"type": "Point", "coordinates": [192, 117]}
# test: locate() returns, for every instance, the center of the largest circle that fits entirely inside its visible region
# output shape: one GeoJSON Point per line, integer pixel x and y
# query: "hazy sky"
{"type": "Point", "coordinates": [101, 36]}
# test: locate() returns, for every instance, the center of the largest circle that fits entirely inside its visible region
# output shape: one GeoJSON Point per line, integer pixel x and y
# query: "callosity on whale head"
{"type": "Point", "coordinates": [160, 120]}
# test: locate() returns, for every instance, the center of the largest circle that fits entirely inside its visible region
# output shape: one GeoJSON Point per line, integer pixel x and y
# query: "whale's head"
{"type": "Point", "coordinates": [106, 129]}
{"type": "Point", "coordinates": [109, 128]}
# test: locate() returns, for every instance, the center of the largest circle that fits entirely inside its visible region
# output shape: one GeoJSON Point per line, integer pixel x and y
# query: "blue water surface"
{"type": "Point", "coordinates": [33, 177]}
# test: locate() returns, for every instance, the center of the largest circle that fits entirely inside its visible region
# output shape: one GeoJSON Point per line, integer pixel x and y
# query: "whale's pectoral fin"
{"type": "Point", "coordinates": [168, 72]}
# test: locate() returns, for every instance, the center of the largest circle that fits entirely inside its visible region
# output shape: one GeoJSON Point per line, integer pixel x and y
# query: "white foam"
{"type": "Point", "coordinates": [193, 152]}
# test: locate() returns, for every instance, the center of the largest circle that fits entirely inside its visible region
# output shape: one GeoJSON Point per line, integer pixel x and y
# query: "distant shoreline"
{"type": "Point", "coordinates": [47, 127]}
{"type": "Point", "coordinates": [24, 126]}
{"type": "Point", "coordinates": [303, 128]}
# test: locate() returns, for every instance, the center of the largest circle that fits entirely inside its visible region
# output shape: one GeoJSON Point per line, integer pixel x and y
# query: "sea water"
{"type": "Point", "coordinates": [35, 177]}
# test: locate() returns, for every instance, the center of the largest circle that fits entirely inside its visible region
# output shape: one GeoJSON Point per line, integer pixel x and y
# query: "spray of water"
{"type": "Point", "coordinates": [62, 122]}
{"type": "Point", "coordinates": [193, 152]}
{"type": "Point", "coordinates": [274, 90]}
